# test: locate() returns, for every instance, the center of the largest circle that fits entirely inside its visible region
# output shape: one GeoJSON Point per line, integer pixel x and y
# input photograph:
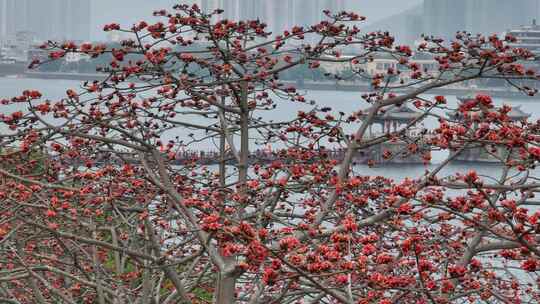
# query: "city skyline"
{"type": "Point", "coordinates": [105, 11]}
{"type": "Point", "coordinates": [446, 17]}
{"type": "Point", "coordinates": [83, 19]}
{"type": "Point", "coordinates": [443, 18]}
{"type": "Point", "coordinates": [51, 19]}
{"type": "Point", "coordinates": [279, 15]}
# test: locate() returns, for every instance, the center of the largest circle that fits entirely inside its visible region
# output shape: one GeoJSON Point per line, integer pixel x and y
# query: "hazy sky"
{"type": "Point", "coordinates": [130, 11]}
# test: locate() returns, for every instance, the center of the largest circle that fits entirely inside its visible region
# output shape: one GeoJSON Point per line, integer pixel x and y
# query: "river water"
{"type": "Point", "coordinates": [337, 100]}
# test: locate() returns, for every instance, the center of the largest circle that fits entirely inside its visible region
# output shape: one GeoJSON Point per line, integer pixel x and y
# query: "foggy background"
{"type": "Point", "coordinates": [406, 19]}
{"type": "Point", "coordinates": [83, 20]}
{"type": "Point", "coordinates": [129, 11]}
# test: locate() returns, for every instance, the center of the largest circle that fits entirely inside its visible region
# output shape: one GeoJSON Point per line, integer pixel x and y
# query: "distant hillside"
{"type": "Point", "coordinates": [406, 26]}
{"type": "Point", "coordinates": [375, 10]}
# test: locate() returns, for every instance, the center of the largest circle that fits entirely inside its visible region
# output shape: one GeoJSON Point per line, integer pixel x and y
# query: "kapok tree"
{"type": "Point", "coordinates": [102, 200]}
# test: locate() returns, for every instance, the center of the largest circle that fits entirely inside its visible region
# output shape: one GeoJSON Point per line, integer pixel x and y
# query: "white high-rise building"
{"type": "Point", "coordinates": [80, 22]}
{"type": "Point", "coordinates": [277, 14]}
{"type": "Point", "coordinates": [16, 17]}
{"type": "Point", "coordinates": [527, 37]}
{"type": "Point", "coordinates": [231, 8]}
{"type": "Point", "coordinates": [46, 19]}
{"type": "Point", "coordinates": [209, 5]}
{"type": "Point", "coordinates": [251, 10]}
{"type": "Point", "coordinates": [3, 17]}
{"type": "Point", "coordinates": [495, 16]}
{"type": "Point", "coordinates": [310, 12]}
{"type": "Point", "coordinates": [444, 18]}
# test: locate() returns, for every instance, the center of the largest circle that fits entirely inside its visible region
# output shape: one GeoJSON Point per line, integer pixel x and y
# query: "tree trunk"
{"type": "Point", "coordinates": [225, 289]}
{"type": "Point", "coordinates": [244, 140]}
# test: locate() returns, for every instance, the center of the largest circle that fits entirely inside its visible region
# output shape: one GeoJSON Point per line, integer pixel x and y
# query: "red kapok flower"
{"type": "Point", "coordinates": [530, 265]}
{"type": "Point", "coordinates": [484, 100]}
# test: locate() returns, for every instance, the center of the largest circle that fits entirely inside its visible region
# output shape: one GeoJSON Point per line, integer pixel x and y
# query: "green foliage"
{"type": "Point", "coordinates": [36, 157]}
{"type": "Point", "coordinates": [348, 74]}
{"type": "Point", "coordinates": [53, 66]}
{"type": "Point", "coordinates": [203, 294]}
{"type": "Point", "coordinates": [304, 72]}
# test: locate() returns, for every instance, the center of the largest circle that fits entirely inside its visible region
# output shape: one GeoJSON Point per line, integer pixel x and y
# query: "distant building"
{"type": "Point", "coordinates": [231, 7]}
{"type": "Point", "coordinates": [336, 5]}
{"type": "Point", "coordinates": [382, 63]}
{"type": "Point", "coordinates": [495, 16]}
{"type": "Point", "coordinates": [17, 46]}
{"type": "Point", "coordinates": [50, 19]}
{"type": "Point", "coordinates": [15, 17]}
{"type": "Point", "coordinates": [76, 57]}
{"type": "Point", "coordinates": [413, 28]}
{"type": "Point", "coordinates": [251, 10]}
{"type": "Point", "coordinates": [209, 5]}
{"type": "Point", "coordinates": [309, 12]}
{"type": "Point", "coordinates": [80, 11]}
{"type": "Point", "coordinates": [278, 14]}
{"type": "Point", "coordinates": [443, 18]}
{"type": "Point", "coordinates": [406, 27]}
{"type": "Point", "coordinates": [527, 37]}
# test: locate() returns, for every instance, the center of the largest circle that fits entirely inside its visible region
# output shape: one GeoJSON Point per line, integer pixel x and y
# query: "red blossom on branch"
{"type": "Point", "coordinates": [165, 181]}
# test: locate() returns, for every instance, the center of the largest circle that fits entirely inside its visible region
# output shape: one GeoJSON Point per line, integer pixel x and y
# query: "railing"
{"type": "Point", "coordinates": [264, 156]}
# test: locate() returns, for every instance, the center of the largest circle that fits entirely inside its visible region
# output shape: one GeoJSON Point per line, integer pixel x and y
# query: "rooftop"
{"type": "Point", "coordinates": [397, 113]}
{"type": "Point", "coordinates": [516, 114]}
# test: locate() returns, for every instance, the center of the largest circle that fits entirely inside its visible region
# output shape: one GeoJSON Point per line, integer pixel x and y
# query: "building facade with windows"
{"type": "Point", "coordinates": [527, 36]}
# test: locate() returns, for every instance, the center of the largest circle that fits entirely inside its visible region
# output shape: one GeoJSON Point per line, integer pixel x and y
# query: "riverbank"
{"type": "Point", "coordinates": [361, 87]}
{"type": "Point", "coordinates": [312, 86]}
